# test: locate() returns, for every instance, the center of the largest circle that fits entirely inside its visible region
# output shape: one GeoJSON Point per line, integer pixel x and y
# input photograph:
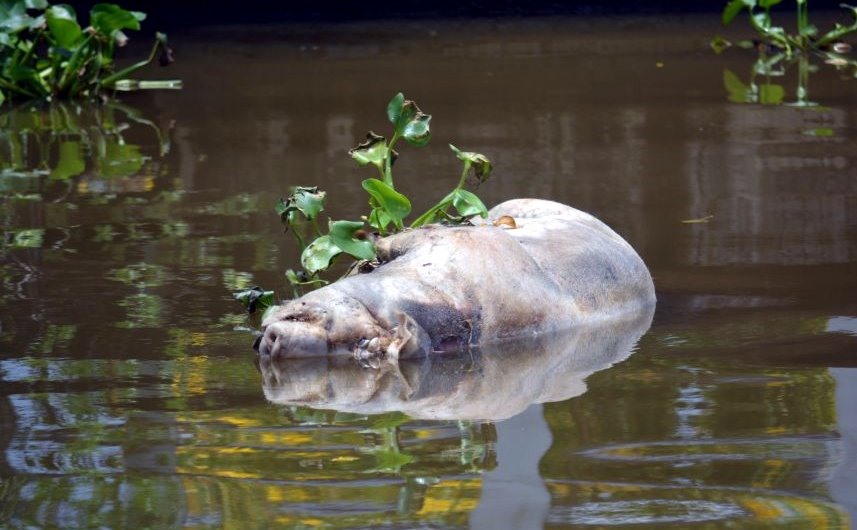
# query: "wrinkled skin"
{"type": "Point", "coordinates": [443, 288]}
{"type": "Point", "coordinates": [489, 382]}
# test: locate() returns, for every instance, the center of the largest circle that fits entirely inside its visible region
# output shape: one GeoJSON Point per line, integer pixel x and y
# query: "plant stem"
{"type": "Point", "coordinates": [297, 234]}
{"type": "Point", "coordinates": [125, 72]}
{"type": "Point", "coordinates": [73, 65]}
{"type": "Point", "coordinates": [463, 175]}
{"type": "Point", "coordinates": [15, 88]}
{"type": "Point", "coordinates": [431, 212]}
{"type": "Point", "coordinates": [445, 202]}
{"type": "Point", "coordinates": [803, 80]}
{"type": "Point", "coordinates": [376, 221]}
{"type": "Point", "coordinates": [388, 161]}
{"type": "Point", "coordinates": [836, 34]}
{"type": "Point", "coordinates": [33, 46]}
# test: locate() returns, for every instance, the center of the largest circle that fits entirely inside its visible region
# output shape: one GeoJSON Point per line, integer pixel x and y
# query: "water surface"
{"type": "Point", "coordinates": [129, 394]}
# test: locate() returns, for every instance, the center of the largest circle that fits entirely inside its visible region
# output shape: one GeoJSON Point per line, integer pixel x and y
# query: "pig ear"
{"type": "Point", "coordinates": [409, 338]}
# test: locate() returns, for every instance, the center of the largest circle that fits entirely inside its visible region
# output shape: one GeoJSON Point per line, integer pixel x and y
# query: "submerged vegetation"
{"type": "Point", "coordinates": [45, 53]}
{"type": "Point", "coordinates": [300, 212]}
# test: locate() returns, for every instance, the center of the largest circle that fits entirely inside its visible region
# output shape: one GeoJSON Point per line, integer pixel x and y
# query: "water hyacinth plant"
{"type": "Point", "coordinates": [45, 53]}
{"type": "Point", "coordinates": [300, 212]}
{"type": "Point", "coordinates": [807, 38]}
{"type": "Point", "coordinates": [388, 207]}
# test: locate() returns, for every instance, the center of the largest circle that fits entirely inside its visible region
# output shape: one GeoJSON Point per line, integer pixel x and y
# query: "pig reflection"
{"type": "Point", "coordinates": [490, 382]}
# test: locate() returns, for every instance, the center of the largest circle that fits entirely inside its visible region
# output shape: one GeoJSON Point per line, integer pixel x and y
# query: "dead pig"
{"type": "Point", "coordinates": [546, 267]}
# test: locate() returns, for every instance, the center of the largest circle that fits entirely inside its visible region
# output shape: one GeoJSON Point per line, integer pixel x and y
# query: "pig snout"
{"type": "Point", "coordinates": [293, 339]}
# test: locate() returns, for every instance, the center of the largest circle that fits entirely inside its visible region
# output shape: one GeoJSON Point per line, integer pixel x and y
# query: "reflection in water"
{"type": "Point", "coordinates": [81, 141]}
{"type": "Point", "coordinates": [492, 382]}
{"type": "Point", "coordinates": [843, 480]}
{"type": "Point", "coordinates": [514, 494]}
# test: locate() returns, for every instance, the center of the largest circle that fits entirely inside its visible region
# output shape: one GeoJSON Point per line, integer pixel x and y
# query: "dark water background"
{"type": "Point", "coordinates": [128, 392]}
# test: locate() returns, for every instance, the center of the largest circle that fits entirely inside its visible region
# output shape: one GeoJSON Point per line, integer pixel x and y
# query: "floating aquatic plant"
{"type": "Point", "coordinates": [300, 212]}
{"type": "Point", "coordinates": [807, 36]}
{"type": "Point", "coordinates": [46, 54]}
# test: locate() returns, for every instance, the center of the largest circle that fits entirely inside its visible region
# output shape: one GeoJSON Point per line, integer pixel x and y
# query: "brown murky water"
{"type": "Point", "coordinates": [128, 391]}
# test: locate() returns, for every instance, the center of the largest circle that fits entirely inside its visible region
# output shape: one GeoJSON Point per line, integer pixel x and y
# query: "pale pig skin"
{"type": "Point", "coordinates": [440, 288]}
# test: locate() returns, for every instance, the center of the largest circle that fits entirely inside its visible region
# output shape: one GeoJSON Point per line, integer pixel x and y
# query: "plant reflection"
{"type": "Point", "coordinates": [760, 89]}
{"type": "Point", "coordinates": [53, 155]}
{"type": "Point", "coordinates": [65, 141]}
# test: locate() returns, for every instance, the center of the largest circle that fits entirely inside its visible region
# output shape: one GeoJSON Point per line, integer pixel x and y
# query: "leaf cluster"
{"type": "Point", "coordinates": [45, 52]}
{"type": "Point", "coordinates": [389, 208]}
{"type": "Point", "coordinates": [807, 36]}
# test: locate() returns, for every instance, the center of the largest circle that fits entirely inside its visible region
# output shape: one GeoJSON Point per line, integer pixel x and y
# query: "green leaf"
{"type": "Point", "coordinates": [379, 219]}
{"type": "Point", "coordinates": [394, 203]}
{"type": "Point", "coordinates": [770, 94]}
{"type": "Point", "coordinates": [809, 31]}
{"type": "Point", "coordinates": [468, 204]}
{"type": "Point", "coordinates": [767, 4]}
{"type": "Point", "coordinates": [391, 461]}
{"type": "Point", "coordinates": [2, 98]}
{"type": "Point", "coordinates": [36, 4]}
{"type": "Point", "coordinates": [107, 18]}
{"type": "Point", "coordinates": [731, 10]}
{"type": "Point", "coordinates": [718, 44]}
{"type": "Point", "coordinates": [394, 108]}
{"type": "Point", "coordinates": [307, 200]}
{"type": "Point", "coordinates": [348, 235]}
{"type": "Point", "coordinates": [119, 160]}
{"type": "Point", "coordinates": [318, 254]}
{"type": "Point", "coordinates": [20, 72]}
{"type": "Point", "coordinates": [14, 17]}
{"type": "Point", "coordinates": [28, 238]}
{"type": "Point", "coordinates": [62, 23]}
{"type": "Point", "coordinates": [821, 131]}
{"type": "Point", "coordinates": [413, 125]}
{"type": "Point", "coordinates": [738, 91]}
{"type": "Point", "coordinates": [372, 151]}
{"type": "Point", "coordinates": [255, 298]}
{"type": "Point", "coordinates": [762, 21]}
{"type": "Point", "coordinates": [480, 163]}
{"type": "Point", "coordinates": [409, 121]}
{"type": "Point", "coordinates": [70, 163]}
